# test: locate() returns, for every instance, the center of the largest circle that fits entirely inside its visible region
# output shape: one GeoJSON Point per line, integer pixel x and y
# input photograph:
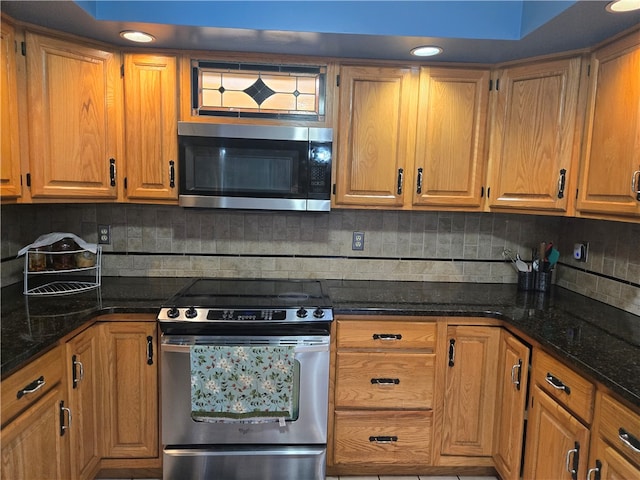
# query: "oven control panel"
{"type": "Point", "coordinates": [194, 314]}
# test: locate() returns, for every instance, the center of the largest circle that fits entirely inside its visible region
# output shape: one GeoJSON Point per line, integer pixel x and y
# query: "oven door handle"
{"type": "Point", "coordinates": [169, 347]}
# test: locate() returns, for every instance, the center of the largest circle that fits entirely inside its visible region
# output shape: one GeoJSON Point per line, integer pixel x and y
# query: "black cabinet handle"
{"type": "Point", "coordinates": [112, 171]}
{"type": "Point", "coordinates": [400, 177]}
{"type": "Point", "coordinates": [387, 336]}
{"type": "Point", "coordinates": [383, 439]}
{"type": "Point", "coordinates": [64, 409]}
{"type": "Point", "coordinates": [561, 182]}
{"type": "Point", "coordinates": [635, 184]}
{"type": "Point", "coordinates": [172, 174]}
{"type": "Point", "coordinates": [385, 381]}
{"type": "Point", "coordinates": [452, 352]}
{"type": "Point", "coordinates": [75, 362]}
{"type": "Point", "coordinates": [595, 470]}
{"type": "Point", "coordinates": [516, 379]}
{"type": "Point", "coordinates": [149, 350]}
{"type": "Point", "coordinates": [575, 453]}
{"type": "Point", "coordinates": [557, 384]}
{"type": "Point", "coordinates": [34, 386]}
{"type": "Point", "coordinates": [629, 440]}
{"type": "Point", "coordinates": [419, 182]}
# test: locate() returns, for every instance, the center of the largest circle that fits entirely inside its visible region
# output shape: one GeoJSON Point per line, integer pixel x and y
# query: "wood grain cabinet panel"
{"type": "Point", "coordinates": [532, 155]}
{"type": "Point", "coordinates": [82, 359]}
{"type": "Point", "coordinates": [511, 407]}
{"type": "Point", "coordinates": [557, 443]}
{"type": "Point", "coordinates": [74, 114]}
{"type": "Point", "coordinates": [615, 442]}
{"type": "Point", "coordinates": [151, 127]}
{"type": "Point", "coordinates": [470, 390]}
{"type": "Point", "coordinates": [611, 153]}
{"type": "Point", "coordinates": [375, 115]}
{"type": "Point", "coordinates": [130, 395]}
{"type": "Point", "coordinates": [384, 380]}
{"type": "Point", "coordinates": [383, 438]}
{"type": "Point", "coordinates": [10, 186]}
{"type": "Point", "coordinates": [450, 140]}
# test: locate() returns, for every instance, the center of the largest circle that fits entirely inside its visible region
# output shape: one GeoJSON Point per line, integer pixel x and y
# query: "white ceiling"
{"type": "Point", "coordinates": [469, 31]}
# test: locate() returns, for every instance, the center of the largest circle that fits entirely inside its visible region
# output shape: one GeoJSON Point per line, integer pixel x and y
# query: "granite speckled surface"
{"type": "Point", "coordinates": [598, 340]}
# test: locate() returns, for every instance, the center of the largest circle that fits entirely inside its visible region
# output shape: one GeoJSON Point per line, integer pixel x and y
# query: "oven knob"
{"type": "Point", "coordinates": [301, 313]}
{"type": "Point", "coordinates": [191, 313]}
{"type": "Point", "coordinates": [318, 313]}
{"type": "Point", "coordinates": [173, 312]}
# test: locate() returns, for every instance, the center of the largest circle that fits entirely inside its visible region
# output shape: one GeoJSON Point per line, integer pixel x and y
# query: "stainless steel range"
{"type": "Point", "coordinates": [279, 329]}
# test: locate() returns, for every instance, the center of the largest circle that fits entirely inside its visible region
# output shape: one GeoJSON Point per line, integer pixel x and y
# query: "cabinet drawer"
{"type": "Point", "coordinates": [385, 380]}
{"type": "Point", "coordinates": [383, 437]}
{"type": "Point", "coordinates": [565, 385]}
{"type": "Point", "coordinates": [386, 334]}
{"type": "Point", "coordinates": [46, 371]}
{"type": "Point", "coordinates": [620, 427]}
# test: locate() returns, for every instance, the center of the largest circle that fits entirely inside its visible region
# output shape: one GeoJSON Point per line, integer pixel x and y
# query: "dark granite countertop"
{"type": "Point", "coordinates": [598, 340]}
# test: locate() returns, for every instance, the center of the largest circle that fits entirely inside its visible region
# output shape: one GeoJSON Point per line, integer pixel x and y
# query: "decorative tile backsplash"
{"type": "Point", "coordinates": [151, 240]}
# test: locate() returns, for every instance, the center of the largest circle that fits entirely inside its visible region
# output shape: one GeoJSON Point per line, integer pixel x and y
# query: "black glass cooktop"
{"type": "Point", "coordinates": [247, 293]}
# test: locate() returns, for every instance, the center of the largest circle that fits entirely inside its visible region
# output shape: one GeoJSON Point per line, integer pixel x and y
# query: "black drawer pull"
{"type": "Point", "coordinates": [387, 336]}
{"type": "Point", "coordinates": [557, 384]}
{"type": "Point", "coordinates": [383, 439]}
{"type": "Point", "coordinates": [385, 381]}
{"type": "Point", "coordinates": [629, 440]}
{"type": "Point", "coordinates": [32, 387]}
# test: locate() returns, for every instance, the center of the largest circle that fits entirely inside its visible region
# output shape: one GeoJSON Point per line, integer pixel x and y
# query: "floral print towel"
{"type": "Point", "coordinates": [234, 383]}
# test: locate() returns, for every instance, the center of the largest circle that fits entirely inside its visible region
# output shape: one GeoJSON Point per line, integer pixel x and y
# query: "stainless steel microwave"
{"type": "Point", "coordinates": [254, 167]}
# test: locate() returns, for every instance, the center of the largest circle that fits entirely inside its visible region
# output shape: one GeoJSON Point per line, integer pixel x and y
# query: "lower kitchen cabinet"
{"type": "Point", "coordinates": [35, 434]}
{"type": "Point", "coordinates": [82, 356]}
{"type": "Point", "coordinates": [560, 412]}
{"type": "Point", "coordinates": [383, 398]}
{"type": "Point", "coordinates": [129, 391]}
{"type": "Point", "coordinates": [470, 390]}
{"type": "Point", "coordinates": [615, 443]}
{"type": "Point", "coordinates": [513, 377]}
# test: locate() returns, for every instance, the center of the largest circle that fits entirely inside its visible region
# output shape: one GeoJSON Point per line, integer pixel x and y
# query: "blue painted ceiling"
{"type": "Point", "coordinates": [469, 31]}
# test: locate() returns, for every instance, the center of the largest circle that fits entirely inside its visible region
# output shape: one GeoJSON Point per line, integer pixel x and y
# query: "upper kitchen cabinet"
{"type": "Point", "coordinates": [534, 141]}
{"type": "Point", "coordinates": [151, 127]}
{"type": "Point", "coordinates": [375, 121]}
{"type": "Point", "coordinates": [74, 118]}
{"type": "Point", "coordinates": [10, 187]}
{"type": "Point", "coordinates": [450, 142]}
{"type": "Point", "coordinates": [610, 176]}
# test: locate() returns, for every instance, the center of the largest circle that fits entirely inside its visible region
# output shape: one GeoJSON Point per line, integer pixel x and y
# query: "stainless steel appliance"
{"type": "Point", "coordinates": [223, 312]}
{"type": "Point", "coordinates": [254, 167]}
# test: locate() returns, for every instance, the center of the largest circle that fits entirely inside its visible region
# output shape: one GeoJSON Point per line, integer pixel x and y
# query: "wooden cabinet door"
{"type": "Point", "coordinates": [130, 396]}
{"type": "Point", "coordinates": [82, 363]}
{"type": "Point", "coordinates": [531, 159]}
{"type": "Point", "coordinates": [33, 445]}
{"type": "Point", "coordinates": [511, 406]}
{"type": "Point", "coordinates": [151, 127]}
{"type": "Point", "coordinates": [611, 153]}
{"type": "Point", "coordinates": [450, 142]}
{"type": "Point", "coordinates": [470, 390]}
{"type": "Point", "coordinates": [73, 96]}
{"type": "Point", "coordinates": [375, 118]}
{"type": "Point", "coordinates": [613, 466]}
{"type": "Point", "coordinates": [557, 443]}
{"type": "Point", "coordinates": [10, 161]}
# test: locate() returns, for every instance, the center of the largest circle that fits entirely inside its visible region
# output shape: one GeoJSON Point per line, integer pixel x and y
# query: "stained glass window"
{"type": "Point", "coordinates": [228, 89]}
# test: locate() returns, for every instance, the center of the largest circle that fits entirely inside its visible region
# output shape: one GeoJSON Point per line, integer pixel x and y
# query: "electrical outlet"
{"type": "Point", "coordinates": [104, 234]}
{"type": "Point", "coordinates": [357, 242]}
{"type": "Point", "coordinates": [581, 251]}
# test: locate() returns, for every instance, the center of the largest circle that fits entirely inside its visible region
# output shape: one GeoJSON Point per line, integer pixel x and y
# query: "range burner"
{"type": "Point", "coordinates": [249, 301]}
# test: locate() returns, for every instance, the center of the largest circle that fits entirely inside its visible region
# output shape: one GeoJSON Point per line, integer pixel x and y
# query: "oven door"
{"type": "Point", "coordinates": [308, 422]}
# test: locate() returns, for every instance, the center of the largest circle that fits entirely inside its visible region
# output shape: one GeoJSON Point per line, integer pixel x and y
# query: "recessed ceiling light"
{"type": "Point", "coordinates": [619, 6]}
{"type": "Point", "coordinates": [426, 51]}
{"type": "Point", "coordinates": [136, 36]}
